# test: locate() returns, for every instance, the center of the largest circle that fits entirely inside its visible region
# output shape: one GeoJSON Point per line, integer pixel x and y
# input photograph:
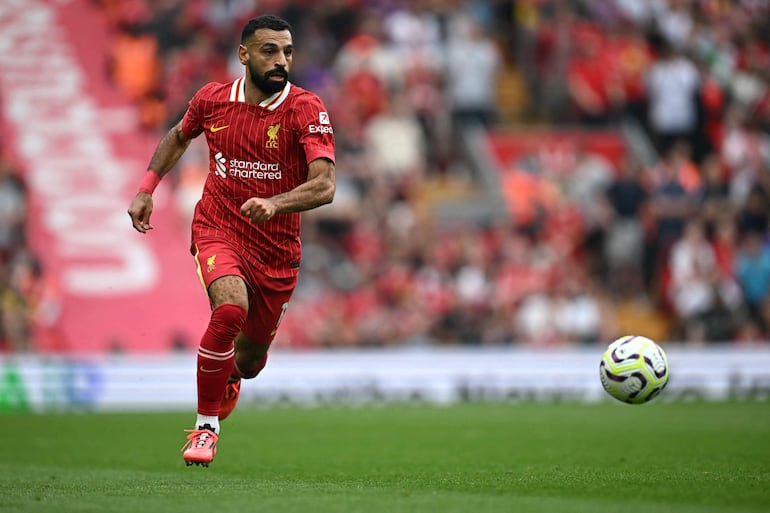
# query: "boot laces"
{"type": "Point", "coordinates": [199, 438]}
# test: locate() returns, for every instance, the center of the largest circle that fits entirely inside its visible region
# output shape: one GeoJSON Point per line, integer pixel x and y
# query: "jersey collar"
{"type": "Point", "coordinates": [238, 94]}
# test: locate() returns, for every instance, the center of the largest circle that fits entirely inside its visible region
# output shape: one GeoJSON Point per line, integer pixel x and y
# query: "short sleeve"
{"type": "Point", "coordinates": [192, 125]}
{"type": "Point", "coordinates": [316, 134]}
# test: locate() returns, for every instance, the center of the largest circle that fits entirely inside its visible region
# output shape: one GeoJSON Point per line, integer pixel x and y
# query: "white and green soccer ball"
{"type": "Point", "coordinates": [634, 369]}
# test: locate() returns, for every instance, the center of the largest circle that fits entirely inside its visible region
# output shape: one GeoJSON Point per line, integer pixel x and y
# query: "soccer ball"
{"type": "Point", "coordinates": [634, 369]}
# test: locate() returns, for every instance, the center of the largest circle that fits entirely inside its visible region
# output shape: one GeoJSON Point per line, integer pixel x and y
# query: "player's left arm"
{"type": "Point", "coordinates": [317, 190]}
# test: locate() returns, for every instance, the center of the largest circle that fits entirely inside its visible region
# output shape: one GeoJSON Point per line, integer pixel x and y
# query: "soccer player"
{"type": "Point", "coordinates": [271, 148]}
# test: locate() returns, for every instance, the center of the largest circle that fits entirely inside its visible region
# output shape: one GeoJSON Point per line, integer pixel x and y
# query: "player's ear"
{"type": "Point", "coordinates": [243, 54]}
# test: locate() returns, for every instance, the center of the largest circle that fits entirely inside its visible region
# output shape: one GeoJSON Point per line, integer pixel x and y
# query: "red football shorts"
{"type": "Point", "coordinates": [268, 297]}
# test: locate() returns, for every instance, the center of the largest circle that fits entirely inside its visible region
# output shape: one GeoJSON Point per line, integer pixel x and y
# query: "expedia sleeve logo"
{"type": "Point", "coordinates": [323, 126]}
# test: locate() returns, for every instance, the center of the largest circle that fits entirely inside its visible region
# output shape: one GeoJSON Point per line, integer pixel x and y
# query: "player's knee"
{"type": "Point", "coordinates": [241, 303]}
{"type": "Point", "coordinates": [230, 314]}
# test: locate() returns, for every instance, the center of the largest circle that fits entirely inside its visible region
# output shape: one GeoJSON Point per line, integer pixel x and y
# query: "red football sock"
{"type": "Point", "coordinates": [215, 356]}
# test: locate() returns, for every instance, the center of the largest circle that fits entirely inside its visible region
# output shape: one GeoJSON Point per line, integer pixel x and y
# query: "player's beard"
{"type": "Point", "coordinates": [265, 84]}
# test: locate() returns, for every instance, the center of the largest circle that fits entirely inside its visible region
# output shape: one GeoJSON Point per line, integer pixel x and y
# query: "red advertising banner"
{"type": "Point", "coordinates": [557, 148]}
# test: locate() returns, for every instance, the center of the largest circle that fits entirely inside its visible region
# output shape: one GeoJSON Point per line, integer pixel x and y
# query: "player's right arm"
{"type": "Point", "coordinates": [167, 153]}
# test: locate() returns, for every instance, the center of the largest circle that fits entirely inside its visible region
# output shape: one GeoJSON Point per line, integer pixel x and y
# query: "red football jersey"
{"type": "Point", "coordinates": [256, 151]}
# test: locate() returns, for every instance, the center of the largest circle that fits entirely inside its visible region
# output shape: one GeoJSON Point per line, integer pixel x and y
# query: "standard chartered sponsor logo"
{"type": "Point", "coordinates": [251, 166]}
{"type": "Point", "coordinates": [246, 169]}
{"type": "Point", "coordinates": [220, 161]}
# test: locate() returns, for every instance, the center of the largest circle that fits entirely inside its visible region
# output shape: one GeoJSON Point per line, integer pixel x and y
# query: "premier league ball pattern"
{"type": "Point", "coordinates": [634, 369]}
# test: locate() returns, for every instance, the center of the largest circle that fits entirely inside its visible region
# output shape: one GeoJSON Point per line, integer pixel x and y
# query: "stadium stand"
{"type": "Point", "coordinates": [528, 172]}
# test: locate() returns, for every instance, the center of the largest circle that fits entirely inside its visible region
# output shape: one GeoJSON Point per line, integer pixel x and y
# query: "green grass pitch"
{"type": "Point", "coordinates": [593, 458]}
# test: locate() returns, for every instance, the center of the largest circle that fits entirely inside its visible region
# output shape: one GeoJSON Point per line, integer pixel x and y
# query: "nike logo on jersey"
{"type": "Point", "coordinates": [209, 370]}
{"type": "Point", "coordinates": [215, 129]}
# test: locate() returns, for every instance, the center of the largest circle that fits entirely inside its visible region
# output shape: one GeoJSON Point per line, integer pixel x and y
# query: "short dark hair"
{"type": "Point", "coordinates": [266, 21]}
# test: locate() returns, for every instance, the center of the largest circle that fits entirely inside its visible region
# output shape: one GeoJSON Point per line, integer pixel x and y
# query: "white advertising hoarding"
{"type": "Point", "coordinates": [444, 376]}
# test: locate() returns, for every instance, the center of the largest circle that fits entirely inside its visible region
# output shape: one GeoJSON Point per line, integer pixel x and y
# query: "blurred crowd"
{"type": "Point", "coordinates": [671, 241]}
{"type": "Point", "coordinates": [30, 303]}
